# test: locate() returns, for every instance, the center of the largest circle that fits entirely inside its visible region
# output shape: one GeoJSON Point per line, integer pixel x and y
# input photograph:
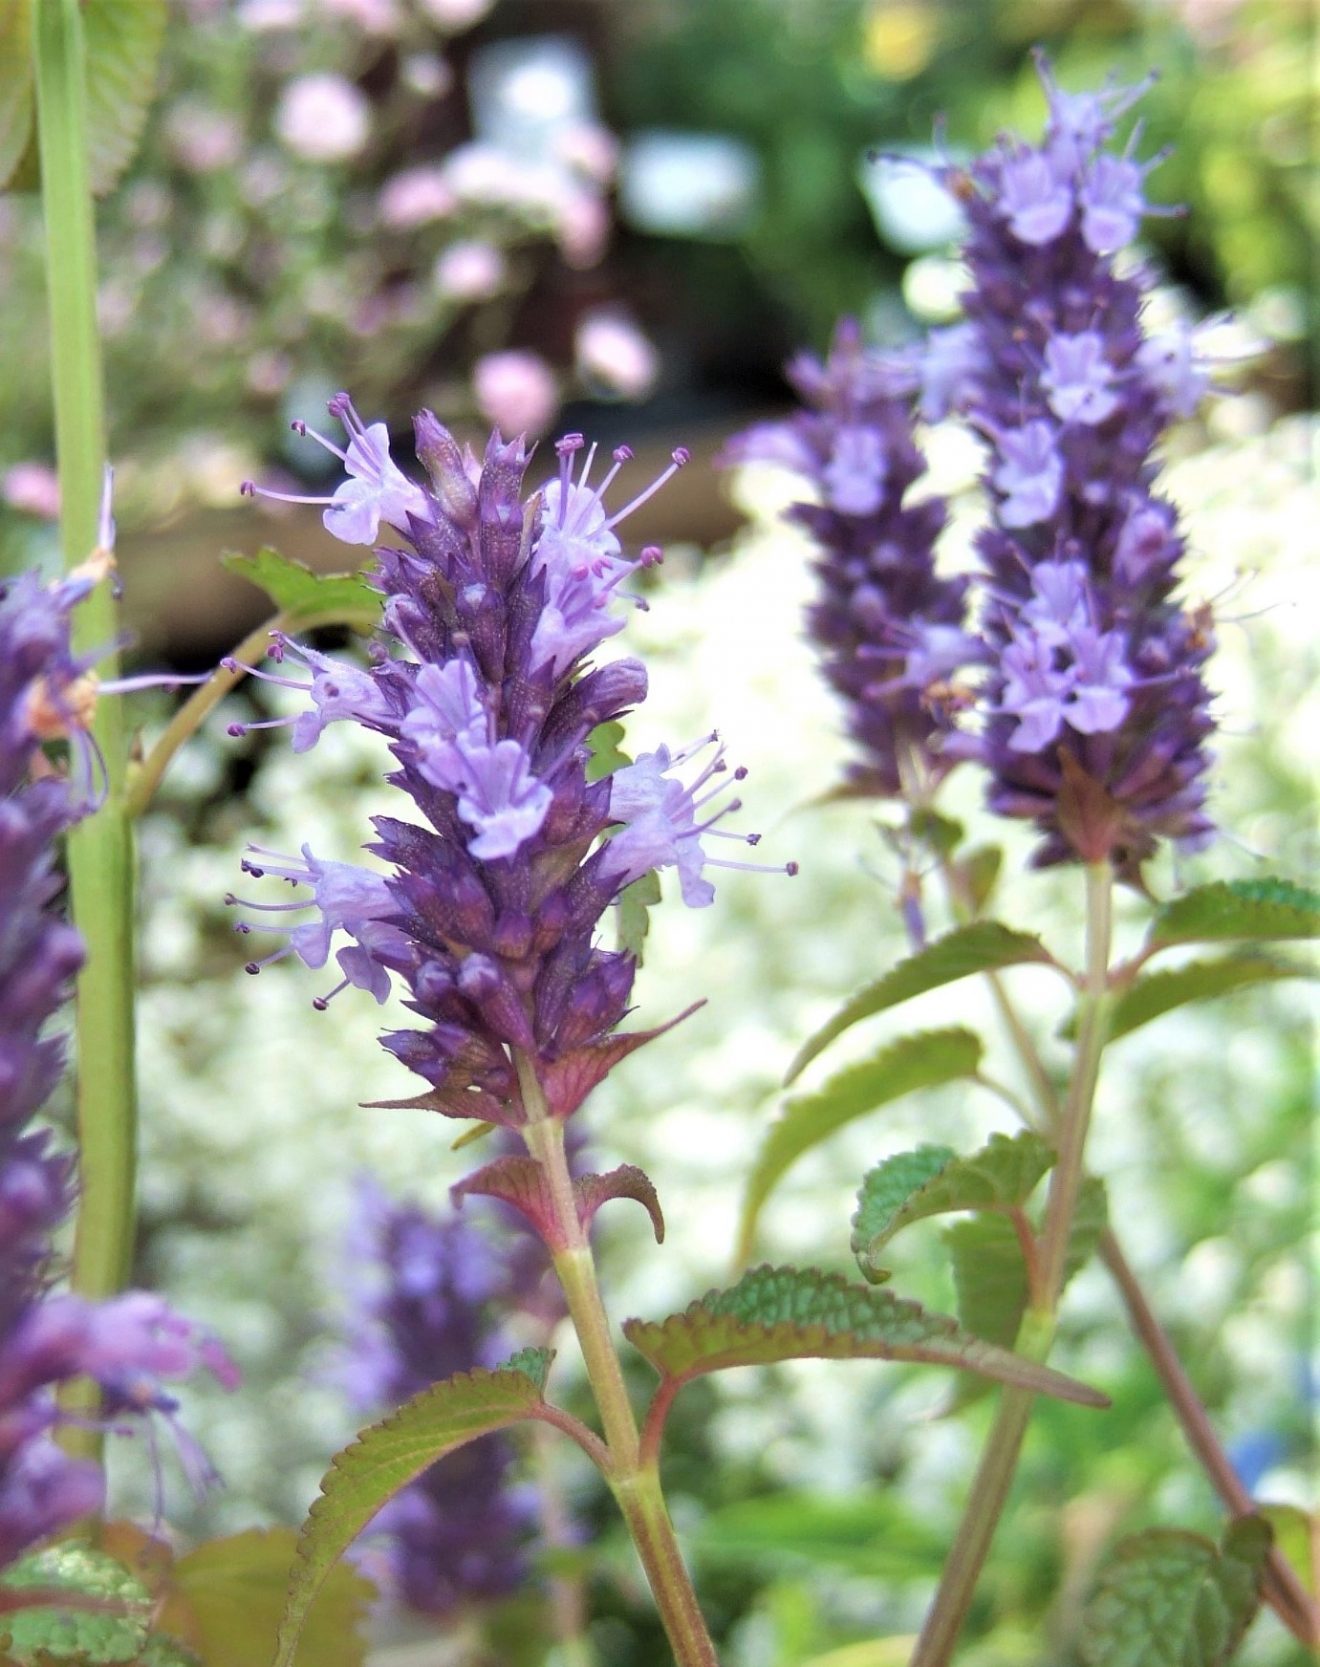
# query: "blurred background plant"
{"type": "Point", "coordinates": [494, 209]}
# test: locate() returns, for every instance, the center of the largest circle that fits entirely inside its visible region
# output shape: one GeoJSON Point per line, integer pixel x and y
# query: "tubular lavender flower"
{"type": "Point", "coordinates": [890, 630]}
{"type": "Point", "coordinates": [1097, 710]}
{"type": "Point", "coordinates": [489, 910]}
{"type": "Point", "coordinates": [426, 1292]}
{"type": "Point", "coordinates": [130, 1343]}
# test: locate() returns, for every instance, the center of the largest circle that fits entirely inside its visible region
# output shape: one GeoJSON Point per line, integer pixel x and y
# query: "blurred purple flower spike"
{"type": "Point", "coordinates": [128, 1344]}
{"type": "Point", "coordinates": [890, 629]}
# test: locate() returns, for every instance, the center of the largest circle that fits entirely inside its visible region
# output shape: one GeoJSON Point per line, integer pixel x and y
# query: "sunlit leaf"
{"type": "Point", "coordinates": [343, 598]}
{"type": "Point", "coordinates": [985, 946]}
{"type": "Point", "coordinates": [116, 1632]}
{"type": "Point", "coordinates": [1167, 1598]}
{"type": "Point", "coordinates": [606, 754]}
{"type": "Point", "coordinates": [775, 1314]}
{"type": "Point", "coordinates": [226, 1599]}
{"type": "Point", "coordinates": [935, 1181]}
{"type": "Point", "coordinates": [1297, 1538]}
{"type": "Point", "coordinates": [1160, 992]}
{"type": "Point", "coordinates": [393, 1453]}
{"type": "Point", "coordinates": [123, 45]}
{"type": "Point", "coordinates": [633, 913]}
{"type": "Point", "coordinates": [926, 1060]}
{"type": "Point", "coordinates": [1241, 909]}
{"type": "Point", "coordinates": [16, 98]}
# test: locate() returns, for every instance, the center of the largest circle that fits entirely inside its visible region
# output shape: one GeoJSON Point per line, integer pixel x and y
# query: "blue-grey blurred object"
{"type": "Point", "coordinates": [525, 92]}
{"type": "Point", "coordinates": [704, 185]}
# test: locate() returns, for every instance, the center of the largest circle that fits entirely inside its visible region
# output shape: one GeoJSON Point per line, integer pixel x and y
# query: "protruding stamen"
{"type": "Point", "coordinates": [681, 456]}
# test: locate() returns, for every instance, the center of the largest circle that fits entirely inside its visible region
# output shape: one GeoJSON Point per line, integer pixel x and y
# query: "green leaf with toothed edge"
{"type": "Point", "coordinates": [1241, 909]}
{"type": "Point", "coordinates": [1161, 992]}
{"type": "Point", "coordinates": [388, 1456]}
{"type": "Point", "coordinates": [606, 754]}
{"type": "Point", "coordinates": [299, 593]}
{"type": "Point", "coordinates": [933, 1180]}
{"type": "Point", "coordinates": [1167, 1598]}
{"type": "Point", "coordinates": [775, 1314]}
{"type": "Point", "coordinates": [984, 946]}
{"type": "Point", "coordinates": [927, 1060]}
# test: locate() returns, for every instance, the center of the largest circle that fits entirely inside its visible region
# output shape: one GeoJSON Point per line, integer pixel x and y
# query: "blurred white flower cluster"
{"type": "Point", "coordinates": [252, 1123]}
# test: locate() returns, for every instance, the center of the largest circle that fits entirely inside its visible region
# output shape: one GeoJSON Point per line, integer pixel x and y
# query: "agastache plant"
{"type": "Point", "coordinates": [129, 1345]}
{"type": "Point", "coordinates": [487, 913]}
{"type": "Point", "coordinates": [1086, 677]}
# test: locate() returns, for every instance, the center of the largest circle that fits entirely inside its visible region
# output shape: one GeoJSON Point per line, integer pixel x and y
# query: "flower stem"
{"type": "Point", "coordinates": [634, 1483]}
{"type": "Point", "coordinates": [100, 847]}
{"type": "Point", "coordinates": [994, 1477]}
{"type": "Point", "coordinates": [1282, 1589]}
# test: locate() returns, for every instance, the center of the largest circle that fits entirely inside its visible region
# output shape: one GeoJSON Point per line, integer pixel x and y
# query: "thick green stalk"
{"type": "Point", "coordinates": [994, 1477]}
{"type": "Point", "coordinates": [100, 848]}
{"type": "Point", "coordinates": [634, 1483]}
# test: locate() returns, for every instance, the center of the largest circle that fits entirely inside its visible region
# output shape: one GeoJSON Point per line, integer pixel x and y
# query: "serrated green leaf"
{"type": "Point", "coordinates": [606, 754]}
{"type": "Point", "coordinates": [984, 946]}
{"type": "Point", "coordinates": [927, 1060]}
{"type": "Point", "coordinates": [1167, 1598]}
{"type": "Point", "coordinates": [934, 1180]}
{"type": "Point", "coordinates": [393, 1453]}
{"type": "Point", "coordinates": [123, 45]}
{"type": "Point", "coordinates": [1160, 992]}
{"type": "Point", "coordinates": [990, 1275]}
{"type": "Point", "coordinates": [1242, 909]}
{"type": "Point", "coordinates": [302, 594]}
{"type": "Point", "coordinates": [92, 1636]}
{"type": "Point", "coordinates": [226, 1599]}
{"type": "Point", "coordinates": [167, 1652]}
{"type": "Point", "coordinates": [16, 94]}
{"type": "Point", "coordinates": [775, 1314]}
{"type": "Point", "coordinates": [633, 917]}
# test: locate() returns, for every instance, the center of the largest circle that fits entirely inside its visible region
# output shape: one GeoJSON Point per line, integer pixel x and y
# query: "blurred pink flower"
{"type": "Point", "coordinates": [583, 228]}
{"type": "Point", "coordinates": [589, 149]}
{"type": "Point", "coordinates": [323, 118]}
{"type": "Point", "coordinates": [453, 15]}
{"type": "Point", "coordinates": [32, 487]}
{"type": "Point", "coordinates": [269, 373]}
{"type": "Point", "coordinates": [415, 196]}
{"type": "Point", "coordinates": [262, 15]}
{"type": "Point", "coordinates": [427, 73]}
{"type": "Point", "coordinates": [375, 17]}
{"type": "Point", "coordinates": [516, 391]}
{"type": "Point", "coordinates": [614, 351]}
{"type": "Point", "coordinates": [469, 271]}
{"type": "Point", "coordinates": [203, 140]}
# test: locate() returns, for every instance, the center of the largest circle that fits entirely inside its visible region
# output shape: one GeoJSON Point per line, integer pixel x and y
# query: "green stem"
{"type": "Point", "coordinates": [634, 1483]}
{"type": "Point", "coordinates": [146, 777]}
{"type": "Point", "coordinates": [994, 1477]}
{"type": "Point", "coordinates": [100, 847]}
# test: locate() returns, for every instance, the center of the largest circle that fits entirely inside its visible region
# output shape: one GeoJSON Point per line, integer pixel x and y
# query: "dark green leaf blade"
{"type": "Point", "coordinates": [303, 595]}
{"type": "Point", "coordinates": [123, 45]}
{"type": "Point", "coordinates": [899, 1191]}
{"type": "Point", "coordinates": [1241, 909]}
{"type": "Point", "coordinates": [927, 1060]}
{"type": "Point", "coordinates": [16, 95]}
{"type": "Point", "coordinates": [1167, 1598]}
{"type": "Point", "coordinates": [985, 946]}
{"type": "Point", "coordinates": [775, 1314]}
{"type": "Point", "coordinates": [1160, 992]}
{"type": "Point", "coordinates": [389, 1455]}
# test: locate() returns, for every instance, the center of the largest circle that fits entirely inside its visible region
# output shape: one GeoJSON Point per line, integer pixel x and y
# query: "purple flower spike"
{"type": "Point", "coordinates": [1097, 714]}
{"type": "Point", "coordinates": [426, 1292]}
{"type": "Point", "coordinates": [488, 907]}
{"type": "Point", "coordinates": [130, 1343]}
{"type": "Point", "coordinates": [889, 627]}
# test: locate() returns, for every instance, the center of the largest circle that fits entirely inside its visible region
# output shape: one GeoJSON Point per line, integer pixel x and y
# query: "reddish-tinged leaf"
{"type": "Point", "coordinates": [520, 1182]}
{"type": "Point", "coordinates": [627, 1181]}
{"type": "Point", "coordinates": [569, 1080]}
